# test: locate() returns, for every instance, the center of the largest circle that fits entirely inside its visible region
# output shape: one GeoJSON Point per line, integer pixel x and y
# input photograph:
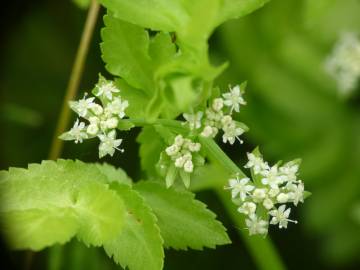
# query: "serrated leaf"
{"type": "Point", "coordinates": [114, 174]}
{"type": "Point", "coordinates": [125, 52]}
{"type": "Point", "coordinates": [151, 145]}
{"type": "Point", "coordinates": [183, 221]}
{"type": "Point", "coordinates": [65, 197]}
{"type": "Point", "coordinates": [139, 245]}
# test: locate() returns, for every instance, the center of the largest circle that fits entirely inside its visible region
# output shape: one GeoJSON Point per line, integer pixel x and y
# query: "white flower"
{"type": "Point", "coordinates": [92, 129]}
{"type": "Point", "coordinates": [106, 89]}
{"type": "Point", "coordinates": [108, 144]}
{"type": "Point", "coordinates": [77, 132]}
{"type": "Point", "coordinates": [273, 192]}
{"type": "Point", "coordinates": [256, 225]}
{"type": "Point", "coordinates": [97, 109]}
{"type": "Point", "coordinates": [194, 147]}
{"type": "Point", "coordinates": [240, 187]}
{"type": "Point", "coordinates": [172, 150]}
{"type": "Point", "coordinates": [231, 132]}
{"type": "Point", "coordinates": [271, 177]}
{"type": "Point", "coordinates": [289, 171]}
{"type": "Point", "coordinates": [344, 63]}
{"type": "Point", "coordinates": [118, 107]}
{"type": "Point", "coordinates": [209, 132]}
{"type": "Point", "coordinates": [280, 216]}
{"type": "Point", "coordinates": [188, 166]}
{"type": "Point", "coordinates": [297, 193]}
{"type": "Point", "coordinates": [194, 120]}
{"type": "Point", "coordinates": [259, 194]}
{"type": "Point", "coordinates": [82, 106]}
{"type": "Point", "coordinates": [111, 123]}
{"type": "Point", "coordinates": [256, 163]}
{"type": "Point", "coordinates": [268, 203]}
{"type": "Point", "coordinates": [282, 198]}
{"type": "Point", "coordinates": [247, 208]}
{"type": "Point", "coordinates": [179, 140]}
{"type": "Point", "coordinates": [218, 104]}
{"type": "Point", "coordinates": [234, 98]}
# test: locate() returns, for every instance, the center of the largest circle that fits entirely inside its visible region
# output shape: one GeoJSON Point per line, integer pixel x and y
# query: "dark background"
{"type": "Point", "coordinates": [294, 110]}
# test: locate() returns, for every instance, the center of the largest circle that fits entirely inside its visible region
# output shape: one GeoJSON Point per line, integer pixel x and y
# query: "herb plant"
{"type": "Point", "coordinates": [157, 51]}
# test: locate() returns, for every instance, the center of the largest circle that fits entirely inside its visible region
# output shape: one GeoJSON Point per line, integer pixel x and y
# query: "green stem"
{"type": "Point", "coordinates": [56, 253]}
{"type": "Point", "coordinates": [262, 250]}
{"type": "Point", "coordinates": [75, 78]}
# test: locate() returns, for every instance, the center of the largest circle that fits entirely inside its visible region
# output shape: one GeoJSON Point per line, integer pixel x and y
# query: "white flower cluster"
{"type": "Point", "coordinates": [181, 151]}
{"type": "Point", "coordinates": [266, 196]}
{"type": "Point", "coordinates": [216, 117]}
{"type": "Point", "coordinates": [102, 119]}
{"type": "Point", "coordinates": [344, 62]}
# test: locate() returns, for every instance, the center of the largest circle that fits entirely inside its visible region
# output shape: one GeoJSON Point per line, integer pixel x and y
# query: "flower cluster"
{"type": "Point", "coordinates": [181, 153]}
{"type": "Point", "coordinates": [344, 62]}
{"type": "Point", "coordinates": [264, 199]}
{"type": "Point", "coordinates": [180, 159]}
{"type": "Point", "coordinates": [102, 119]}
{"type": "Point", "coordinates": [218, 117]}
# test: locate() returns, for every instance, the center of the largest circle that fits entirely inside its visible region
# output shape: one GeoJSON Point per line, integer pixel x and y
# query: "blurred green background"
{"type": "Point", "coordinates": [294, 110]}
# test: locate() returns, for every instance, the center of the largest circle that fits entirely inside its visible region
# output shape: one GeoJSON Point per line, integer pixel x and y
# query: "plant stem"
{"type": "Point", "coordinates": [71, 91]}
{"type": "Point", "coordinates": [261, 248]}
{"type": "Point", "coordinates": [75, 78]}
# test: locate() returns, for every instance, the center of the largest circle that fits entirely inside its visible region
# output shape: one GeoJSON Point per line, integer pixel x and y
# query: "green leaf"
{"type": "Point", "coordinates": [154, 14]}
{"type": "Point", "coordinates": [51, 202]}
{"type": "Point", "coordinates": [139, 245]}
{"type": "Point", "coordinates": [151, 145]}
{"type": "Point", "coordinates": [125, 52]}
{"type": "Point", "coordinates": [232, 9]}
{"type": "Point", "coordinates": [114, 174]}
{"type": "Point", "coordinates": [184, 222]}
{"type": "Point", "coordinates": [137, 99]}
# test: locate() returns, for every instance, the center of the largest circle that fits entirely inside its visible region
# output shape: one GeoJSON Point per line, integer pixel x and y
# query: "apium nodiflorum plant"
{"type": "Point", "coordinates": [157, 52]}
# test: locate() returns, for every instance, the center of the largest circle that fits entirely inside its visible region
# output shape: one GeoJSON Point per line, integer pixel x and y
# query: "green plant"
{"type": "Point", "coordinates": [158, 52]}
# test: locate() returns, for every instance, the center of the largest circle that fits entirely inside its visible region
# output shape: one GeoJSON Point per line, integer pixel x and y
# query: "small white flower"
{"type": "Point", "coordinates": [282, 198]}
{"type": "Point", "coordinates": [268, 203]}
{"type": "Point", "coordinates": [194, 147]}
{"type": "Point", "coordinates": [256, 163]}
{"type": "Point", "coordinates": [179, 162]}
{"type": "Point", "coordinates": [172, 150]}
{"type": "Point", "coordinates": [217, 104]}
{"type": "Point", "coordinates": [106, 89]}
{"type": "Point", "coordinates": [247, 208]}
{"type": "Point", "coordinates": [194, 120]}
{"type": "Point", "coordinates": [188, 166]}
{"type": "Point", "coordinates": [289, 171]}
{"type": "Point", "coordinates": [231, 132]}
{"type": "Point", "coordinates": [259, 194]}
{"type": "Point", "coordinates": [297, 193]}
{"type": "Point", "coordinates": [97, 109]}
{"type": "Point", "coordinates": [209, 132]}
{"type": "Point", "coordinates": [112, 123]}
{"type": "Point", "coordinates": [240, 187]}
{"type": "Point", "coordinates": [77, 132]}
{"type": "Point", "coordinates": [256, 225]}
{"type": "Point", "coordinates": [273, 192]}
{"type": "Point", "coordinates": [108, 144]}
{"type": "Point", "coordinates": [234, 98]}
{"type": "Point", "coordinates": [280, 216]}
{"type": "Point", "coordinates": [82, 106]}
{"type": "Point", "coordinates": [118, 107]}
{"type": "Point", "coordinates": [271, 177]}
{"type": "Point", "coordinates": [179, 140]}
{"type": "Point", "coordinates": [92, 129]}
